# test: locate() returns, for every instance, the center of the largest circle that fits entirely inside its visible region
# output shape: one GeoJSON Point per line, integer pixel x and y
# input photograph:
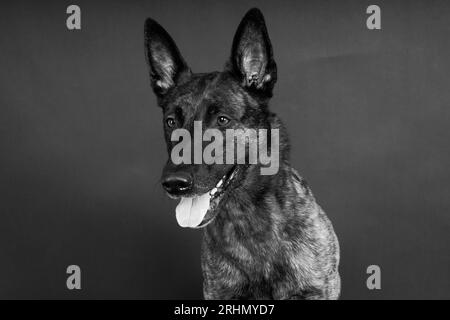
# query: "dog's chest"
{"type": "Point", "coordinates": [259, 257]}
{"type": "Point", "coordinates": [255, 275]}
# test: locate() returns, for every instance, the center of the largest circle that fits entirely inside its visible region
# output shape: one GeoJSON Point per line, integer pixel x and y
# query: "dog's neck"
{"type": "Point", "coordinates": [257, 205]}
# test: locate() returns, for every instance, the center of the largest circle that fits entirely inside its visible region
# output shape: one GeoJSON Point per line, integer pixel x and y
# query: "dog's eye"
{"type": "Point", "coordinates": [170, 122]}
{"type": "Point", "coordinates": [222, 121]}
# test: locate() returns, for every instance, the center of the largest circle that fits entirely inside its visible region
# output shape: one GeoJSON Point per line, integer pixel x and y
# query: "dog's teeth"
{"type": "Point", "coordinates": [213, 191]}
{"type": "Point", "coordinates": [219, 183]}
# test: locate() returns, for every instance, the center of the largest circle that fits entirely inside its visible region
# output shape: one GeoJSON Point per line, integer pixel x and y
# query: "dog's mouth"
{"type": "Point", "coordinates": [199, 211]}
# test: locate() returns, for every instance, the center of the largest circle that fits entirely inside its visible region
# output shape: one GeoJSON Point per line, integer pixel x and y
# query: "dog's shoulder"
{"type": "Point", "coordinates": [308, 206]}
{"type": "Point", "coordinates": [318, 226]}
{"type": "Point", "coordinates": [300, 184]}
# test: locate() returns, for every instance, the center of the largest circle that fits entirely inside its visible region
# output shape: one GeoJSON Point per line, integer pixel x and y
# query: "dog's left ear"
{"type": "Point", "coordinates": [251, 55]}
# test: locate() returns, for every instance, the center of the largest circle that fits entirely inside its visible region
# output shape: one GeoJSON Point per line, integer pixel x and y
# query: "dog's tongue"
{"type": "Point", "coordinates": [191, 211]}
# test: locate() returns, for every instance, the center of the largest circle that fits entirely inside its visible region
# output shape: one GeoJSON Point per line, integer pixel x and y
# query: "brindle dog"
{"type": "Point", "coordinates": [265, 237]}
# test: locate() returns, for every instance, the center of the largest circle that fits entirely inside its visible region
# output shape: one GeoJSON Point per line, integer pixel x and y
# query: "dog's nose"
{"type": "Point", "coordinates": [177, 184]}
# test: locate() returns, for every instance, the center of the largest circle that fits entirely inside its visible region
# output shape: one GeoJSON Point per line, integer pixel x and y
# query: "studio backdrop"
{"type": "Point", "coordinates": [82, 146]}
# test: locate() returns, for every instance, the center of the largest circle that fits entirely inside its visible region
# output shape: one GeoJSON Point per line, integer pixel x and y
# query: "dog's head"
{"type": "Point", "coordinates": [235, 98]}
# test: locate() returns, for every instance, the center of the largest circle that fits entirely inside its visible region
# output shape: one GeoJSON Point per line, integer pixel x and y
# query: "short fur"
{"type": "Point", "coordinates": [269, 238]}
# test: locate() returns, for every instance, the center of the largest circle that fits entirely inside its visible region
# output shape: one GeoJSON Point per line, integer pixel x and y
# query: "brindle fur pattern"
{"type": "Point", "coordinates": [269, 239]}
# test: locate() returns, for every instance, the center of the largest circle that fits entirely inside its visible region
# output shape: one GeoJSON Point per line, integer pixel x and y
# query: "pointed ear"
{"type": "Point", "coordinates": [167, 66]}
{"type": "Point", "coordinates": [251, 55]}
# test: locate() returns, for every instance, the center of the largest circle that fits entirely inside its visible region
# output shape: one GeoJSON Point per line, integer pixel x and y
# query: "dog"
{"type": "Point", "coordinates": [265, 236]}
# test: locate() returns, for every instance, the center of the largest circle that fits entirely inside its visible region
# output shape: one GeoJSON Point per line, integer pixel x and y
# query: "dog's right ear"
{"type": "Point", "coordinates": [167, 66]}
{"type": "Point", "coordinates": [251, 55]}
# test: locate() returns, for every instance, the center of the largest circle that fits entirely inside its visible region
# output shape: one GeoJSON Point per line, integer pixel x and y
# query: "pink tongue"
{"type": "Point", "coordinates": [191, 211]}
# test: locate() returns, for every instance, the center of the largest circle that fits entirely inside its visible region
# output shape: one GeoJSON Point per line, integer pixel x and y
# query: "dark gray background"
{"type": "Point", "coordinates": [82, 145]}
